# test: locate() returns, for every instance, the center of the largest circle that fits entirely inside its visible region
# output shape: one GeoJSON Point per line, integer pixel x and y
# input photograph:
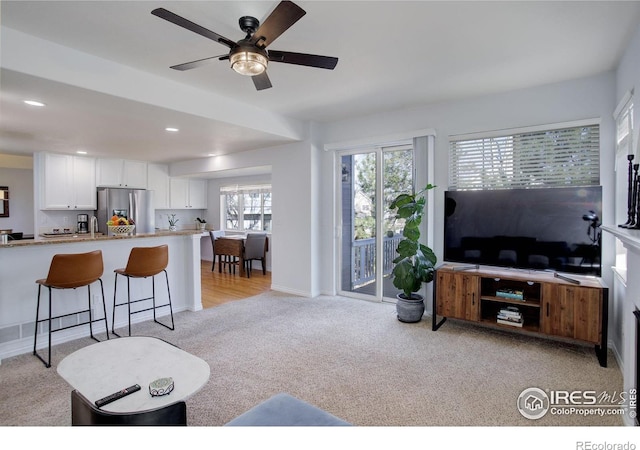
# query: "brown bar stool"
{"type": "Point", "coordinates": [143, 262]}
{"type": "Point", "coordinates": [70, 271]}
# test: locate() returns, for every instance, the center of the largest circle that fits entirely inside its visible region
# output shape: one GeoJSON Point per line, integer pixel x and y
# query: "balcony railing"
{"type": "Point", "coordinates": [363, 259]}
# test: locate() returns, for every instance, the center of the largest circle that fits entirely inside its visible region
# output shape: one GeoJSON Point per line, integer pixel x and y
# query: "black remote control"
{"type": "Point", "coordinates": [116, 395]}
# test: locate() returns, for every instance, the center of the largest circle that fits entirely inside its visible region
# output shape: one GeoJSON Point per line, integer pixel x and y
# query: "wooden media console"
{"type": "Point", "coordinates": [524, 301]}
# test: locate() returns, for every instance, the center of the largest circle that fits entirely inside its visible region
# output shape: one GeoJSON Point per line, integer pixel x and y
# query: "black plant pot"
{"type": "Point", "coordinates": [410, 310]}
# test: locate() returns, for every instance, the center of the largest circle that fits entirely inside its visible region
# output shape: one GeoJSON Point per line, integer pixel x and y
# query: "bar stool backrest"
{"type": "Point", "coordinates": [74, 270]}
{"type": "Point", "coordinates": [147, 261]}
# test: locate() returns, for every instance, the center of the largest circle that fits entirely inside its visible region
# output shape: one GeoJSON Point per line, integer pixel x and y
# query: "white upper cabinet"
{"type": "Point", "coordinates": [158, 182]}
{"type": "Point", "coordinates": [121, 173]}
{"type": "Point", "coordinates": [68, 182]}
{"type": "Point", "coordinates": [198, 194]}
{"type": "Point", "coordinates": [84, 183]}
{"type": "Point", "coordinates": [188, 193]}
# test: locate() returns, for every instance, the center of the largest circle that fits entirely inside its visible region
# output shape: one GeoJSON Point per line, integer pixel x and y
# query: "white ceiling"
{"type": "Point", "coordinates": [392, 55]}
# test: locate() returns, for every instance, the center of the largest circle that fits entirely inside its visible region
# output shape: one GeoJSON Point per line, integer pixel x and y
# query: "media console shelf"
{"type": "Point", "coordinates": [524, 301]}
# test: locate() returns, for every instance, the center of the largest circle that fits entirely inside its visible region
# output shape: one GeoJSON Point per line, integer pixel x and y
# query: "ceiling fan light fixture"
{"type": "Point", "coordinates": [248, 63]}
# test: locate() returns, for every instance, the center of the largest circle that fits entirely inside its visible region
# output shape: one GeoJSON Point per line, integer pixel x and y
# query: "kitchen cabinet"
{"type": "Point", "coordinates": [572, 312]}
{"type": "Point", "coordinates": [121, 173]}
{"type": "Point", "coordinates": [458, 295]}
{"type": "Point", "coordinates": [187, 193]}
{"type": "Point", "coordinates": [198, 194]}
{"type": "Point", "coordinates": [69, 182]}
{"type": "Point", "coordinates": [158, 181]}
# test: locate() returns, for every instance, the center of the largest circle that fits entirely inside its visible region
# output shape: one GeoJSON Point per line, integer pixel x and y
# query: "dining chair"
{"type": "Point", "coordinates": [255, 248]}
{"type": "Point", "coordinates": [215, 235]}
{"type": "Point", "coordinates": [83, 412]}
{"type": "Point", "coordinates": [229, 251]}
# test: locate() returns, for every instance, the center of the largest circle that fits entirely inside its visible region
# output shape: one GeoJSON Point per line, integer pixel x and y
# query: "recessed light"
{"type": "Point", "coordinates": [81, 152]}
{"type": "Point", "coordinates": [34, 103]}
{"type": "Point", "coordinates": [171, 129]}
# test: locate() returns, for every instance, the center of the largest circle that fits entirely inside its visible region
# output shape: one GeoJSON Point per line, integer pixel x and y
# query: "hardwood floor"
{"type": "Point", "coordinates": [219, 288]}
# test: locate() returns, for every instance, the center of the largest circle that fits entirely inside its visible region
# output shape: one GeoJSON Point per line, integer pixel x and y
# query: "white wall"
{"type": "Point", "coordinates": [628, 75]}
{"type": "Point", "coordinates": [303, 258]}
{"type": "Point", "coordinates": [20, 183]}
{"type": "Point", "coordinates": [292, 257]}
{"type": "Point", "coordinates": [568, 101]}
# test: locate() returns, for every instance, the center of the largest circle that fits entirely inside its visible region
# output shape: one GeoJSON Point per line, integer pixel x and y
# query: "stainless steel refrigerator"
{"type": "Point", "coordinates": [136, 204]}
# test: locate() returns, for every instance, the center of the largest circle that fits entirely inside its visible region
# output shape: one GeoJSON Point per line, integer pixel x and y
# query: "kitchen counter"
{"type": "Point", "coordinates": [24, 262]}
{"type": "Point", "coordinates": [73, 238]}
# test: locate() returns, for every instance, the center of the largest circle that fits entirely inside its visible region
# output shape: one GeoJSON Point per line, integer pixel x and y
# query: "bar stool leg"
{"type": "Point", "coordinates": [35, 336]}
{"type": "Point", "coordinates": [113, 314]}
{"type": "Point", "coordinates": [129, 302]}
{"type": "Point", "coordinates": [116, 304]}
{"type": "Point", "coordinates": [90, 314]}
{"type": "Point", "coordinates": [153, 287]}
{"type": "Point", "coordinates": [153, 297]}
{"type": "Point", "coordinates": [104, 309]}
{"type": "Point", "coordinates": [166, 277]}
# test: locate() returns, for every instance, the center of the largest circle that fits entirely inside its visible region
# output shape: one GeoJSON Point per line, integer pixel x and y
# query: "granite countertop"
{"type": "Point", "coordinates": [66, 239]}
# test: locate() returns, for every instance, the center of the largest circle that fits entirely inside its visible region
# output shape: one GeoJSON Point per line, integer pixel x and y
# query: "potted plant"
{"type": "Point", "coordinates": [172, 222]}
{"type": "Point", "coordinates": [415, 263]}
{"type": "Point", "coordinates": [201, 223]}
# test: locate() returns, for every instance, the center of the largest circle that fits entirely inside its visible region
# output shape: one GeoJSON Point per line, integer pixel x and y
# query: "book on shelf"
{"type": "Point", "coordinates": [514, 294]}
{"type": "Point", "coordinates": [509, 318]}
{"type": "Point", "coordinates": [510, 315]}
{"type": "Point", "coordinates": [510, 323]}
{"type": "Point", "coordinates": [510, 311]}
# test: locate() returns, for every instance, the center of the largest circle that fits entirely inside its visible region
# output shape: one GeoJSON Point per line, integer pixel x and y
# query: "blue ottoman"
{"type": "Point", "coordinates": [283, 410]}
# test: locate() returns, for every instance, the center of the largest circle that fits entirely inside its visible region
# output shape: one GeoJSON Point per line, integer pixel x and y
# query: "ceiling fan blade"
{"type": "Point", "coordinates": [184, 23]}
{"type": "Point", "coordinates": [283, 16]}
{"type": "Point", "coordinates": [261, 81]}
{"type": "Point", "coordinates": [303, 59]}
{"type": "Point", "coordinates": [198, 63]}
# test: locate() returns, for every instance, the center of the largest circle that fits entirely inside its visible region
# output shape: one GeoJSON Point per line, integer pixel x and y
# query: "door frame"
{"type": "Point", "coordinates": [422, 172]}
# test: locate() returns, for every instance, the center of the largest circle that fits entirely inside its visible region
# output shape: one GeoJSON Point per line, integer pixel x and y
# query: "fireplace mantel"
{"type": "Point", "coordinates": [630, 238]}
{"type": "Point", "coordinates": [626, 303]}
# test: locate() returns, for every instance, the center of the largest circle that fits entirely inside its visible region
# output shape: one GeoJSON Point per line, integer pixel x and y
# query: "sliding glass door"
{"type": "Point", "coordinates": [369, 232]}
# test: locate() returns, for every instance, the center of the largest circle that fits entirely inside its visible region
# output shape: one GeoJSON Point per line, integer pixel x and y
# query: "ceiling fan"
{"type": "Point", "coordinates": [249, 56]}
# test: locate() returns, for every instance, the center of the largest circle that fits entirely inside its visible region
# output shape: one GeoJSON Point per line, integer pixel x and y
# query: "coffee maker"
{"type": "Point", "coordinates": [83, 223]}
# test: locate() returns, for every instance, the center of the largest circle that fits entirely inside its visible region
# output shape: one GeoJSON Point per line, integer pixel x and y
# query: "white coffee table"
{"type": "Point", "coordinates": [109, 366]}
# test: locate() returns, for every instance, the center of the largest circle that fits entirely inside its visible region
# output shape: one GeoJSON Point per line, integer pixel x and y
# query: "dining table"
{"type": "Point", "coordinates": [232, 246]}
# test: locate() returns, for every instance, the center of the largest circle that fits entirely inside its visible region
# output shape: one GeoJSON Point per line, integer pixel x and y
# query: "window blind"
{"type": "Point", "coordinates": [245, 188]}
{"type": "Point", "coordinates": [540, 158]}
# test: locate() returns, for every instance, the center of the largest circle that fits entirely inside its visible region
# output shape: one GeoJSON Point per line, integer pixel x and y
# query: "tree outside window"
{"type": "Point", "coordinates": [247, 208]}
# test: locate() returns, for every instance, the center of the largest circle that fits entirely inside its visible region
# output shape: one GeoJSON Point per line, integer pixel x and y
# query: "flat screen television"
{"type": "Point", "coordinates": [553, 229]}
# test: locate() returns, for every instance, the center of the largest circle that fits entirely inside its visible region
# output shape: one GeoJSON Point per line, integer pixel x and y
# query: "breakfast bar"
{"type": "Point", "coordinates": [25, 261]}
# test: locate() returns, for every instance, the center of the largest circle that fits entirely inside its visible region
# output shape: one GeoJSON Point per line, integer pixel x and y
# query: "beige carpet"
{"type": "Point", "coordinates": [350, 357]}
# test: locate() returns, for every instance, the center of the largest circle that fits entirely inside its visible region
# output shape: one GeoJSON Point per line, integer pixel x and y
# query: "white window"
{"type": "Point", "coordinates": [527, 158]}
{"type": "Point", "coordinates": [625, 159]}
{"type": "Point", "coordinates": [246, 208]}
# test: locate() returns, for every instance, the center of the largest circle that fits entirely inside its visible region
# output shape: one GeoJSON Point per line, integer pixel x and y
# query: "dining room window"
{"type": "Point", "coordinates": [246, 208]}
